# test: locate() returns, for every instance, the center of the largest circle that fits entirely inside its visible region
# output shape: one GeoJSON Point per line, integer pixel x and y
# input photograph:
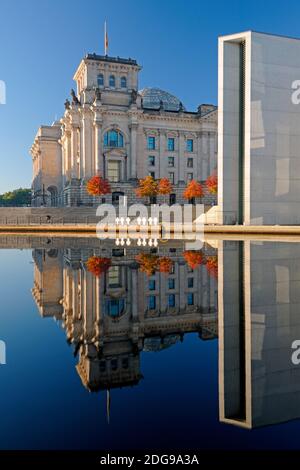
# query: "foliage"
{"type": "Point", "coordinates": [212, 265]}
{"type": "Point", "coordinates": [148, 187]}
{"type": "Point", "coordinates": [150, 263]}
{"type": "Point", "coordinates": [97, 265]}
{"type": "Point", "coordinates": [165, 186]}
{"type": "Point", "coordinates": [18, 197]}
{"type": "Point", "coordinates": [98, 186]}
{"type": "Point", "coordinates": [212, 183]}
{"type": "Point", "coordinates": [193, 189]}
{"type": "Point", "coordinates": [193, 258]}
{"type": "Point", "coordinates": [165, 264]}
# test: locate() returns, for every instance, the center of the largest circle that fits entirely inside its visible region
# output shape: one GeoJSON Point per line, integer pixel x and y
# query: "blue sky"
{"type": "Point", "coordinates": [43, 41]}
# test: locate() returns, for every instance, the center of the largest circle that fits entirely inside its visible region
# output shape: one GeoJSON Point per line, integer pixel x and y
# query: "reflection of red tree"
{"type": "Point", "coordinates": [98, 186]}
{"type": "Point", "coordinates": [193, 258]}
{"type": "Point", "coordinates": [150, 263]}
{"type": "Point", "coordinates": [165, 264]}
{"type": "Point", "coordinates": [212, 265]}
{"type": "Point", "coordinates": [97, 265]}
{"type": "Point", "coordinates": [147, 262]}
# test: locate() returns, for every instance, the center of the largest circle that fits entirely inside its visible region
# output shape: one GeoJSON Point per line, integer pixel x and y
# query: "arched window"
{"type": "Point", "coordinates": [100, 79]}
{"type": "Point", "coordinates": [112, 81]}
{"type": "Point", "coordinates": [123, 82]}
{"type": "Point", "coordinates": [113, 139]}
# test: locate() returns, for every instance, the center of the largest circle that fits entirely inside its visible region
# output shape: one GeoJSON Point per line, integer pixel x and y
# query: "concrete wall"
{"type": "Point", "coordinates": [268, 133]}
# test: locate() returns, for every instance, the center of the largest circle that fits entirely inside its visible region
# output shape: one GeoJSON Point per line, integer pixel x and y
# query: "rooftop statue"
{"type": "Point", "coordinates": [67, 104]}
{"type": "Point", "coordinates": [75, 100]}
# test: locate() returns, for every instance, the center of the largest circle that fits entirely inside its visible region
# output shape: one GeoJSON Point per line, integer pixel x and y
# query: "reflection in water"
{"type": "Point", "coordinates": [259, 300]}
{"type": "Point", "coordinates": [115, 303]}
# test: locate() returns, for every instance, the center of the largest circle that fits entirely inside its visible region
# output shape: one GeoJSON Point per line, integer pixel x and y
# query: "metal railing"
{"type": "Point", "coordinates": [43, 220]}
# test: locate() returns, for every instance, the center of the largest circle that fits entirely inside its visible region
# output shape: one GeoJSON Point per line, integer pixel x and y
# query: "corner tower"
{"type": "Point", "coordinates": [115, 78]}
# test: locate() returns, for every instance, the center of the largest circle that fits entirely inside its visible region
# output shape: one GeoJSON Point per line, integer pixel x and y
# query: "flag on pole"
{"type": "Point", "coordinates": [105, 39]}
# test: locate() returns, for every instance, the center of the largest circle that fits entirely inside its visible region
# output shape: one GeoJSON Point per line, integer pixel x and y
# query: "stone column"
{"type": "Point", "coordinates": [134, 293]}
{"type": "Point", "coordinates": [198, 161]}
{"type": "Point", "coordinates": [181, 159]}
{"type": "Point", "coordinates": [161, 155]}
{"type": "Point", "coordinates": [182, 285]}
{"type": "Point", "coordinates": [74, 153]}
{"type": "Point", "coordinates": [98, 148]}
{"type": "Point", "coordinates": [133, 150]}
{"type": "Point", "coordinates": [204, 165]}
{"type": "Point", "coordinates": [67, 153]}
{"type": "Point", "coordinates": [86, 146]}
{"type": "Point", "coordinates": [212, 154]}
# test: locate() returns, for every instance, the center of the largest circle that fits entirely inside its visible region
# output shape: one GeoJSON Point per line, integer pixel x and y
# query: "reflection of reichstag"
{"type": "Point", "coordinates": [110, 318]}
{"type": "Point", "coordinates": [259, 300]}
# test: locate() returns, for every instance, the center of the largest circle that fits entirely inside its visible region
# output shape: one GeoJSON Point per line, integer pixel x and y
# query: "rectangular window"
{"type": "Point", "coordinates": [152, 173]}
{"type": "Point", "coordinates": [114, 276]}
{"type": "Point", "coordinates": [171, 177]}
{"type": "Point", "coordinates": [170, 161]}
{"type": "Point", "coordinates": [113, 171]}
{"type": "Point", "coordinates": [151, 143]}
{"type": "Point", "coordinates": [171, 283]}
{"type": "Point", "coordinates": [171, 144]}
{"type": "Point", "coordinates": [151, 160]}
{"type": "Point", "coordinates": [189, 145]}
{"type": "Point", "coordinates": [151, 284]}
{"type": "Point", "coordinates": [190, 163]}
{"type": "Point", "coordinates": [171, 300]}
{"type": "Point", "coordinates": [152, 302]}
{"type": "Point", "coordinates": [190, 299]}
{"type": "Point", "coordinates": [117, 252]}
{"type": "Point", "coordinates": [190, 282]}
{"type": "Point", "coordinates": [172, 199]}
{"type": "Point", "coordinates": [172, 269]}
{"type": "Point", "coordinates": [190, 176]}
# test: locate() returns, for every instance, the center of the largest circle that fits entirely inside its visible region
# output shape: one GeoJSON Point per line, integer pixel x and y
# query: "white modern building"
{"type": "Point", "coordinates": [259, 129]}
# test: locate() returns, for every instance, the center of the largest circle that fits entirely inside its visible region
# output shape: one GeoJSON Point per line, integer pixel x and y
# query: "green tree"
{"type": "Point", "coordinates": [18, 197]}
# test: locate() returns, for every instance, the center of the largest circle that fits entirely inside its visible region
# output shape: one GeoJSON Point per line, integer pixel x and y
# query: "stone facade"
{"type": "Point", "coordinates": [110, 319]}
{"type": "Point", "coordinates": [111, 128]}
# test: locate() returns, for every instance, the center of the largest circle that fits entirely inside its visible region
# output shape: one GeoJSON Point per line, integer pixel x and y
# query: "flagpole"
{"type": "Point", "coordinates": [105, 38]}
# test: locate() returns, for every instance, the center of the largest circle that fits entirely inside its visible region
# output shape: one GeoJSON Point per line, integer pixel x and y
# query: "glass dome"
{"type": "Point", "coordinates": [153, 97]}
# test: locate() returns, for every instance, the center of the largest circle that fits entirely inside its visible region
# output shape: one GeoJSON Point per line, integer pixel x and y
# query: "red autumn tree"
{"type": "Point", "coordinates": [212, 266]}
{"type": "Point", "coordinates": [147, 187]}
{"type": "Point", "coordinates": [212, 183]}
{"type": "Point", "coordinates": [165, 264]}
{"type": "Point", "coordinates": [98, 186]}
{"type": "Point", "coordinates": [193, 258]}
{"type": "Point", "coordinates": [97, 265]}
{"type": "Point", "coordinates": [193, 189]}
{"type": "Point", "coordinates": [165, 186]}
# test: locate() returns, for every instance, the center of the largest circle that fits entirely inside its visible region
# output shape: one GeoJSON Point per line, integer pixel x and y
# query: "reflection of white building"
{"type": "Point", "coordinates": [259, 301]}
{"type": "Point", "coordinates": [113, 129]}
{"type": "Point", "coordinates": [110, 319]}
{"type": "Point", "coordinates": [259, 137]}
